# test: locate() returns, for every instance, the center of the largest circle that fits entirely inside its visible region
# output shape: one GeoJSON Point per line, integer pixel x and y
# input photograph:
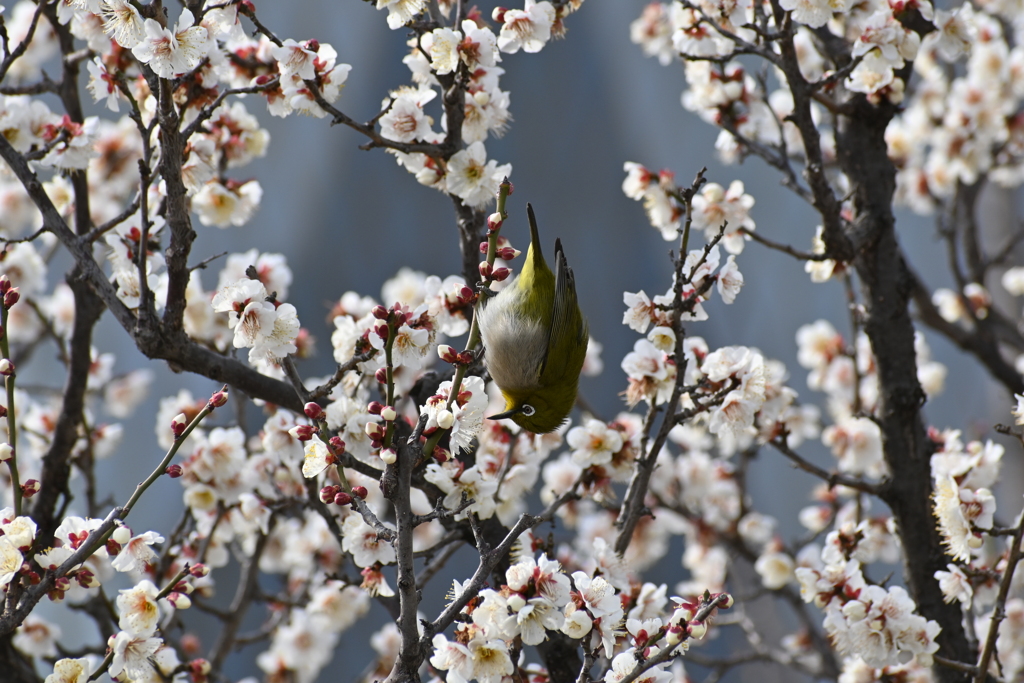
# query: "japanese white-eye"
{"type": "Point", "coordinates": [535, 340]}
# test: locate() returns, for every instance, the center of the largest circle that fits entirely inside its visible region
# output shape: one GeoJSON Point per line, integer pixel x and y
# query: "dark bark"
{"type": "Point", "coordinates": [887, 288]}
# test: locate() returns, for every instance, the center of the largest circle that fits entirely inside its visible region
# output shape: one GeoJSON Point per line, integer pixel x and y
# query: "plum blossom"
{"type": "Point", "coordinates": [170, 53]}
{"type": "Point", "coordinates": [138, 609]}
{"type": "Point", "coordinates": [132, 655]}
{"type": "Point", "coordinates": [528, 28]}
{"type": "Point", "coordinates": [137, 553]}
{"type": "Point", "coordinates": [360, 539]}
{"type": "Point", "coordinates": [473, 178]}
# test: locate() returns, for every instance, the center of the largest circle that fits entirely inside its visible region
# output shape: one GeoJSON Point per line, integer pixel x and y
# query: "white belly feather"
{"type": "Point", "coordinates": [515, 346]}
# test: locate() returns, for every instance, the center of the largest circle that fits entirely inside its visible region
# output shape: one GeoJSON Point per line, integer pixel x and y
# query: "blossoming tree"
{"type": "Point", "coordinates": [360, 487]}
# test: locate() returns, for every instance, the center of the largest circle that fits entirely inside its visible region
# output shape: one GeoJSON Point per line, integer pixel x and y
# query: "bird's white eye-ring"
{"type": "Point", "coordinates": [527, 410]}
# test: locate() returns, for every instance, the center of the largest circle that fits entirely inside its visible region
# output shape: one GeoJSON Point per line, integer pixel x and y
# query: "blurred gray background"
{"type": "Point", "coordinates": [348, 220]}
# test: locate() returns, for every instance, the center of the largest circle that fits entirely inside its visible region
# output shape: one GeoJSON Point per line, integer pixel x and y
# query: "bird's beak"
{"type": "Point", "coordinates": [505, 415]}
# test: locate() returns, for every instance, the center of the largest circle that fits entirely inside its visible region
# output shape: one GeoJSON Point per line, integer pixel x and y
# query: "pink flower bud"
{"type": "Point", "coordinates": [508, 253]}
{"type": "Point", "coordinates": [6, 452]}
{"type": "Point", "coordinates": [179, 600]}
{"type": "Point", "coordinates": [382, 330]}
{"type": "Point", "coordinates": [313, 411]}
{"type": "Point", "coordinates": [219, 399]}
{"type": "Point", "coordinates": [448, 354]}
{"type": "Point", "coordinates": [698, 629]}
{"type": "Point", "coordinates": [11, 297]}
{"type": "Point", "coordinates": [342, 498]}
{"type": "Point", "coordinates": [179, 424]}
{"type": "Point", "coordinates": [6, 367]}
{"type": "Point", "coordinates": [494, 223]}
{"type": "Point", "coordinates": [374, 430]}
{"type": "Point", "coordinates": [359, 492]}
{"type": "Point", "coordinates": [485, 270]}
{"type": "Point", "coordinates": [336, 445]}
{"type": "Point", "coordinates": [483, 246]}
{"type": "Point", "coordinates": [500, 274]}
{"type": "Point", "coordinates": [380, 313]}
{"type": "Point", "coordinates": [199, 667]}
{"type": "Point", "coordinates": [174, 471]}
{"type": "Point", "coordinates": [303, 432]}
{"type": "Point", "coordinates": [374, 408]}
{"type": "Point", "coordinates": [388, 413]}
{"type": "Point", "coordinates": [328, 493]}
{"type": "Point", "coordinates": [199, 570]}
{"type": "Point", "coordinates": [381, 375]}
{"type": "Point", "coordinates": [389, 456]}
{"type": "Point", "coordinates": [30, 488]}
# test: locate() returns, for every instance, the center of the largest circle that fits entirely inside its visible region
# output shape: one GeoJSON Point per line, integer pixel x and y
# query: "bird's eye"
{"type": "Point", "coordinates": [527, 410]}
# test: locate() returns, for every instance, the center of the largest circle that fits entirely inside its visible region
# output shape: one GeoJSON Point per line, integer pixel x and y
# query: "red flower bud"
{"type": "Point", "coordinates": [336, 445]}
{"type": "Point", "coordinates": [174, 471]}
{"type": "Point", "coordinates": [313, 411]}
{"type": "Point", "coordinates": [440, 454]}
{"type": "Point", "coordinates": [382, 330]}
{"type": "Point", "coordinates": [327, 493]}
{"type": "Point", "coordinates": [6, 367]}
{"type": "Point", "coordinates": [448, 354]}
{"type": "Point", "coordinates": [381, 375]}
{"type": "Point", "coordinates": [485, 270]}
{"type": "Point", "coordinates": [500, 274]}
{"type": "Point", "coordinates": [5, 283]}
{"type": "Point", "coordinates": [483, 245]}
{"type": "Point", "coordinates": [313, 45]}
{"type": "Point", "coordinates": [508, 253]}
{"type": "Point", "coordinates": [199, 570]}
{"type": "Point", "coordinates": [380, 313]}
{"type": "Point", "coordinates": [498, 14]}
{"type": "Point", "coordinates": [219, 399]}
{"type": "Point", "coordinates": [342, 498]}
{"type": "Point", "coordinates": [494, 222]}
{"type": "Point", "coordinates": [30, 488]}
{"type": "Point", "coordinates": [359, 492]}
{"type": "Point", "coordinates": [374, 408]}
{"type": "Point", "coordinates": [466, 295]}
{"type": "Point", "coordinates": [11, 297]}
{"type": "Point", "coordinates": [303, 432]}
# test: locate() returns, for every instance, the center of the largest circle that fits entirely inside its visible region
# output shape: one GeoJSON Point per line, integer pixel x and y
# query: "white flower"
{"type": "Point", "coordinates": [37, 637]}
{"type": "Point", "coordinates": [405, 120]}
{"type": "Point", "coordinates": [444, 50]}
{"type": "Point", "coordinates": [401, 12]}
{"type": "Point", "coordinates": [294, 58]}
{"type": "Point", "coordinates": [775, 569]}
{"type": "Point", "coordinates": [598, 595]}
{"type": "Point", "coordinates": [528, 28]}
{"type": "Point", "coordinates": [955, 585]}
{"type": "Point", "coordinates": [136, 554]}
{"type": "Point", "coordinates": [730, 280]}
{"type": "Point", "coordinates": [593, 443]}
{"type": "Point", "coordinates": [132, 655]}
{"type": "Point", "coordinates": [102, 85]}
{"type": "Point", "coordinates": [316, 457]}
{"type": "Point", "coordinates": [70, 671]}
{"type": "Point", "coordinates": [814, 13]}
{"type": "Point", "coordinates": [1013, 280]}
{"type": "Point", "coordinates": [10, 561]}
{"type": "Point", "coordinates": [857, 443]}
{"type": "Point", "coordinates": [138, 610]}
{"type": "Point", "coordinates": [222, 205]}
{"type": "Point", "coordinates": [473, 178]}
{"type": "Point", "coordinates": [873, 73]}
{"type": "Point", "coordinates": [360, 539]}
{"type": "Point", "coordinates": [124, 22]}
{"type": "Point", "coordinates": [170, 53]}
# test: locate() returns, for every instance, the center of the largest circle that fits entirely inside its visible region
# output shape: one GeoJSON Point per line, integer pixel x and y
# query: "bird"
{"type": "Point", "coordinates": [535, 340]}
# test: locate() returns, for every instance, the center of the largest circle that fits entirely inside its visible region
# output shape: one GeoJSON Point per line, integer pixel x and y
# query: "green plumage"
{"type": "Point", "coordinates": [535, 340]}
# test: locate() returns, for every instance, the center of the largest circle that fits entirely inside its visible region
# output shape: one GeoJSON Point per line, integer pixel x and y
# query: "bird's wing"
{"type": "Point", "coordinates": [568, 329]}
